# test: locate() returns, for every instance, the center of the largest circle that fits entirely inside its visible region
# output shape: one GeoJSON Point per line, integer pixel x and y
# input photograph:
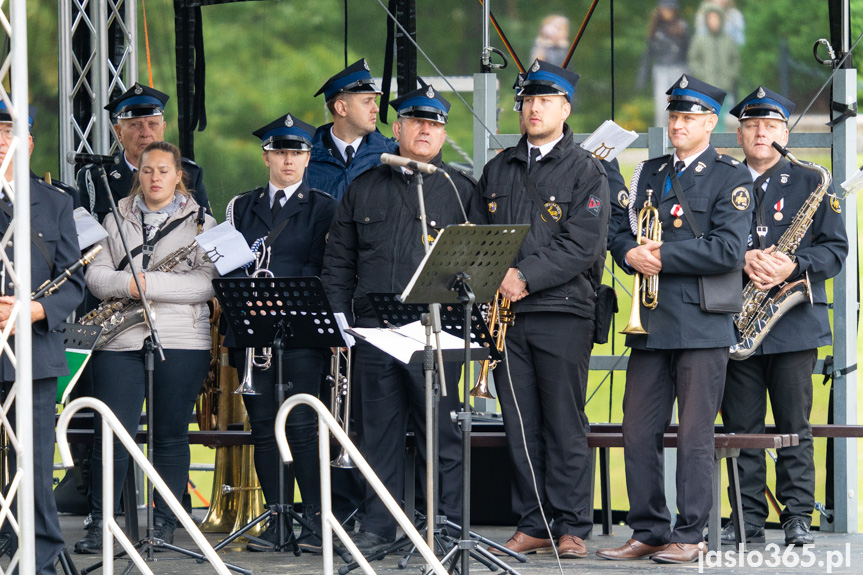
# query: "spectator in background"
{"type": "Point", "coordinates": [665, 57]}
{"type": "Point", "coordinates": [552, 42]}
{"type": "Point", "coordinates": [716, 58]}
{"type": "Point", "coordinates": [734, 24]}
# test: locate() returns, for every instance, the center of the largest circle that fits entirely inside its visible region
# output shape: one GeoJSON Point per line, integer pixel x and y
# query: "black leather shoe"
{"type": "Point", "coordinates": [92, 542]}
{"type": "Point", "coordinates": [797, 532]}
{"type": "Point", "coordinates": [369, 543]}
{"type": "Point", "coordinates": [753, 533]}
{"type": "Point", "coordinates": [310, 541]}
{"type": "Point", "coordinates": [8, 544]}
{"type": "Point", "coordinates": [163, 530]}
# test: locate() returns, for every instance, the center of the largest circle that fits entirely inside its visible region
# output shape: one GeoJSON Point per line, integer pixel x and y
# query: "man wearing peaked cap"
{"type": "Point", "coordinates": [138, 118]}
{"type": "Point", "coordinates": [293, 219]}
{"type": "Point", "coordinates": [782, 365]}
{"type": "Point", "coordinates": [351, 143]}
{"type": "Point", "coordinates": [54, 249]}
{"type": "Point", "coordinates": [558, 188]}
{"type": "Point", "coordinates": [375, 245]}
{"type": "Point", "coordinates": [704, 206]}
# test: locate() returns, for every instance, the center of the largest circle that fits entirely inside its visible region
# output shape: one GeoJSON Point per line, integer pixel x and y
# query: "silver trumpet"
{"type": "Point", "coordinates": [340, 400]}
{"type": "Point", "coordinates": [252, 361]}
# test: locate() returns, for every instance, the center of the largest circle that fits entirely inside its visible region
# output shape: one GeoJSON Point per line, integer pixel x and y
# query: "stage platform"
{"type": "Point", "coordinates": [844, 552]}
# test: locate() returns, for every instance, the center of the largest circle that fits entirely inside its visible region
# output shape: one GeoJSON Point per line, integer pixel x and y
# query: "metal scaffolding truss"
{"type": "Point", "coordinates": [98, 59]}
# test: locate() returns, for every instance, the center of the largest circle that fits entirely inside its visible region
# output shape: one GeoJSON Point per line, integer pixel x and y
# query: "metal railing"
{"type": "Point", "coordinates": [111, 426]}
{"type": "Point", "coordinates": [327, 424]}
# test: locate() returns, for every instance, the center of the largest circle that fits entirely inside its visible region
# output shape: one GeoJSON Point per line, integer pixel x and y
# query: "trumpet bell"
{"type": "Point", "coordinates": [634, 329]}
{"type": "Point", "coordinates": [343, 461]}
{"type": "Point", "coordinates": [246, 388]}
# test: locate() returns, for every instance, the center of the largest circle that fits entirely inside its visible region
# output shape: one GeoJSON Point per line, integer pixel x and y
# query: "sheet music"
{"type": "Point", "coordinates": [608, 141]}
{"type": "Point", "coordinates": [226, 247]}
{"type": "Point", "coordinates": [342, 322]}
{"type": "Point", "coordinates": [88, 228]}
{"type": "Point", "coordinates": [402, 343]}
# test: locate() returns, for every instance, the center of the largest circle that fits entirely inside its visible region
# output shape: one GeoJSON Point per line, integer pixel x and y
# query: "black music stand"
{"type": "Point", "coordinates": [466, 263]}
{"type": "Point", "coordinates": [284, 313]}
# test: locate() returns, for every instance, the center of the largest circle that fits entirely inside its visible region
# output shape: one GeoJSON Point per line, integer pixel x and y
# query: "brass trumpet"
{"type": "Point", "coordinates": [645, 291]}
{"type": "Point", "coordinates": [500, 317]}
{"type": "Point", "coordinates": [340, 400]}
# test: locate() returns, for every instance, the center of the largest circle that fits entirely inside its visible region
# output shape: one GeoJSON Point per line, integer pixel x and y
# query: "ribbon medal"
{"type": "Point", "coordinates": [779, 206]}
{"type": "Point", "coordinates": [677, 211]}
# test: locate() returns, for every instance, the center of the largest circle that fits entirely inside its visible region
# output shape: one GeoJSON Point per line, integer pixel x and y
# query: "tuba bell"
{"type": "Point", "coordinates": [645, 291]}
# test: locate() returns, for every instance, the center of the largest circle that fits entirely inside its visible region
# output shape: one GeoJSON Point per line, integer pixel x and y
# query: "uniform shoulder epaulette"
{"type": "Point", "coordinates": [190, 162]}
{"type": "Point", "coordinates": [726, 159]}
{"type": "Point", "coordinates": [64, 189]}
{"type": "Point", "coordinates": [318, 192]}
{"type": "Point", "coordinates": [464, 174]}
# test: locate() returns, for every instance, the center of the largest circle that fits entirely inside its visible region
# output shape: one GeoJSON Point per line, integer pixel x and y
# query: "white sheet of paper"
{"type": "Point", "coordinates": [88, 228]}
{"type": "Point", "coordinates": [608, 141]}
{"type": "Point", "coordinates": [342, 322]}
{"type": "Point", "coordinates": [403, 342]}
{"type": "Point", "coordinates": [226, 247]}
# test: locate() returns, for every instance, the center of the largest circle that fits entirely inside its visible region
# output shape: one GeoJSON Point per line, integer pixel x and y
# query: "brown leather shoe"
{"type": "Point", "coordinates": [680, 553]}
{"type": "Point", "coordinates": [571, 547]}
{"type": "Point", "coordinates": [630, 550]}
{"type": "Point", "coordinates": [523, 543]}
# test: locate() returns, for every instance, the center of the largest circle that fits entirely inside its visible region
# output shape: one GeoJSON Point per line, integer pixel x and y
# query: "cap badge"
{"type": "Point", "coordinates": [684, 82]}
{"type": "Point", "coordinates": [430, 92]}
{"type": "Point", "coordinates": [760, 92]}
{"type": "Point", "coordinates": [535, 67]}
{"type": "Point", "coordinates": [138, 89]}
{"type": "Point", "coordinates": [289, 122]}
{"type": "Point", "coordinates": [365, 65]}
{"type": "Point", "coordinates": [520, 80]}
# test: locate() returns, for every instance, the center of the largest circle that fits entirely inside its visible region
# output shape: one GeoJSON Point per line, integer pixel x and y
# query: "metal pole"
{"type": "Point", "coordinates": [23, 328]}
{"type": "Point", "coordinates": [101, 138]}
{"type": "Point", "coordinates": [64, 10]}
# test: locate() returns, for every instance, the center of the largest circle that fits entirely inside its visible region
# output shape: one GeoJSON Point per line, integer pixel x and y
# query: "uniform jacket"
{"type": "Point", "coordinates": [178, 297]}
{"type": "Point", "coordinates": [121, 178]}
{"type": "Point", "coordinates": [299, 247]}
{"type": "Point", "coordinates": [376, 242]}
{"type": "Point", "coordinates": [718, 189]}
{"type": "Point", "coordinates": [51, 219]}
{"type": "Point", "coordinates": [821, 254]}
{"type": "Point", "coordinates": [563, 270]}
{"type": "Point", "coordinates": [327, 169]}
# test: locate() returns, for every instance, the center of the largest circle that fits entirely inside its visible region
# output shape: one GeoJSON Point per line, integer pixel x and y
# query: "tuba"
{"type": "Point", "coordinates": [500, 317]}
{"type": "Point", "coordinates": [760, 312]}
{"type": "Point", "coordinates": [645, 291]}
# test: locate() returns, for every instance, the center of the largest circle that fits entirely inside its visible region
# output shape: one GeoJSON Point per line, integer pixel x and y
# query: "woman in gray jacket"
{"type": "Point", "coordinates": [159, 217]}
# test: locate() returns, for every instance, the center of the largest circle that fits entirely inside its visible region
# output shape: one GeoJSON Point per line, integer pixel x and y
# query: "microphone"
{"type": "Point", "coordinates": [399, 161]}
{"type": "Point", "coordinates": [74, 158]}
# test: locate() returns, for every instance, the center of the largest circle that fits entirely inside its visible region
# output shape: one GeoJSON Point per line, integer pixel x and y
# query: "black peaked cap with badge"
{"type": "Point", "coordinates": [763, 103]}
{"type": "Point", "coordinates": [543, 78]}
{"type": "Point", "coordinates": [692, 96]}
{"type": "Point", "coordinates": [286, 133]}
{"type": "Point", "coordinates": [356, 79]}
{"type": "Point", "coordinates": [137, 102]}
{"type": "Point", "coordinates": [6, 116]}
{"type": "Point", "coordinates": [425, 103]}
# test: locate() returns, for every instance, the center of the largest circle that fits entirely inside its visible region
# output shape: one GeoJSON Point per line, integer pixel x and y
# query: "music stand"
{"type": "Point", "coordinates": [466, 263]}
{"type": "Point", "coordinates": [285, 313]}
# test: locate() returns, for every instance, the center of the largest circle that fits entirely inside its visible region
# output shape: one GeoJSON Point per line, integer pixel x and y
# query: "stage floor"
{"type": "Point", "coordinates": [832, 553]}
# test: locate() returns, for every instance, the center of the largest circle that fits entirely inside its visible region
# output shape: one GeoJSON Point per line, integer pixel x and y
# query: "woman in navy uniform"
{"type": "Point", "coordinates": [783, 363]}
{"type": "Point", "coordinates": [294, 220]}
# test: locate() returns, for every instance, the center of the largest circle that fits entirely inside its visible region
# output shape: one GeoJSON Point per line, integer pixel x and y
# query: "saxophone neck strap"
{"type": "Point", "coordinates": [150, 245]}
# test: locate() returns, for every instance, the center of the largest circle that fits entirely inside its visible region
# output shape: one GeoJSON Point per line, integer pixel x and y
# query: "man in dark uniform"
{"type": "Point", "coordinates": [782, 365]}
{"type": "Point", "coordinates": [138, 119]}
{"type": "Point", "coordinates": [54, 248]}
{"type": "Point", "coordinates": [287, 224]}
{"type": "Point", "coordinates": [350, 144]}
{"type": "Point", "coordinates": [375, 245]}
{"type": "Point", "coordinates": [685, 352]}
{"type": "Point", "coordinates": [552, 287]}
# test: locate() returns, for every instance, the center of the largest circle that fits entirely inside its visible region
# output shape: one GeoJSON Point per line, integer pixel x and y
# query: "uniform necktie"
{"type": "Point", "coordinates": [534, 158]}
{"type": "Point", "coordinates": [349, 155]}
{"type": "Point", "coordinates": [679, 166]}
{"type": "Point", "coordinates": [277, 204]}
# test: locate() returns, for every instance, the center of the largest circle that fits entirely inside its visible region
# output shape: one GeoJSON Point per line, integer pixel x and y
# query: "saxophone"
{"type": "Point", "coordinates": [760, 312]}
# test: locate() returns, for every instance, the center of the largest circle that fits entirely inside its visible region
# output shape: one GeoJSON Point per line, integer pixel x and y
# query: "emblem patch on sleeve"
{"type": "Point", "coordinates": [594, 205]}
{"type": "Point", "coordinates": [740, 198]}
{"type": "Point", "coordinates": [623, 198]}
{"type": "Point", "coordinates": [834, 203]}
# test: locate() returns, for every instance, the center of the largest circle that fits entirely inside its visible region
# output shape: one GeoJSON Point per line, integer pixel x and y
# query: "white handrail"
{"type": "Point", "coordinates": [112, 426]}
{"type": "Point", "coordinates": [327, 424]}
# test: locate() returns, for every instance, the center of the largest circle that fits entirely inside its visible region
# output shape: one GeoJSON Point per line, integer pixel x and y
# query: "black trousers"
{"type": "Point", "coordinates": [548, 355]}
{"type": "Point", "coordinates": [654, 379]}
{"type": "Point", "coordinates": [120, 381]}
{"type": "Point", "coordinates": [49, 539]}
{"type": "Point", "coordinates": [787, 377]}
{"type": "Point", "coordinates": [302, 370]}
{"type": "Point", "coordinates": [393, 394]}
